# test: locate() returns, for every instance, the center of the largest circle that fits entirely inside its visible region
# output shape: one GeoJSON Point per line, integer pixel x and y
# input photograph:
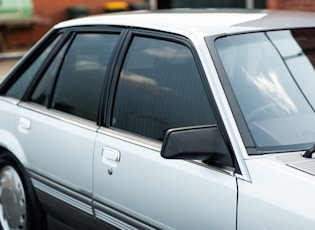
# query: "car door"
{"type": "Point", "coordinates": [57, 129]}
{"type": "Point", "coordinates": [159, 86]}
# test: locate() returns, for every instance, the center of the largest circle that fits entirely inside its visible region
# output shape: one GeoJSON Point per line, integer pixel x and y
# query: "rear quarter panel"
{"type": "Point", "coordinates": [8, 141]}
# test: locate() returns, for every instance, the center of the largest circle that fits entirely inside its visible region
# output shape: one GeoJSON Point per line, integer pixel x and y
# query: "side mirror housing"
{"type": "Point", "coordinates": [203, 143]}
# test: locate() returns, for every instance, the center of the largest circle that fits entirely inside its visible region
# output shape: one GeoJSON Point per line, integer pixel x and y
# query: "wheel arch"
{"type": "Point", "coordinates": [34, 216]}
{"type": "Point", "coordinates": [8, 142]}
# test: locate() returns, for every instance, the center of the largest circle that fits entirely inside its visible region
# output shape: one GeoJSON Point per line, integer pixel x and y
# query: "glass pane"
{"type": "Point", "coordinates": [273, 77]}
{"type": "Point", "coordinates": [159, 88]}
{"type": "Point", "coordinates": [20, 86]}
{"type": "Point", "coordinates": [297, 50]}
{"type": "Point", "coordinates": [44, 88]}
{"type": "Point", "coordinates": [81, 77]}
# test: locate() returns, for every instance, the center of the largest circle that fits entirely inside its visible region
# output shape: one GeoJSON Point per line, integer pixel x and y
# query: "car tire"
{"type": "Point", "coordinates": [19, 206]}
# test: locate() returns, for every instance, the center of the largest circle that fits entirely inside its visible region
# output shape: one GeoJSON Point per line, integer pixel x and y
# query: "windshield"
{"type": "Point", "coordinates": [273, 79]}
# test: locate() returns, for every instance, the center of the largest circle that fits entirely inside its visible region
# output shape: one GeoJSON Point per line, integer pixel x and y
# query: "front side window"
{"type": "Point", "coordinates": [159, 88]}
{"type": "Point", "coordinates": [273, 78]}
{"type": "Point", "coordinates": [80, 80]}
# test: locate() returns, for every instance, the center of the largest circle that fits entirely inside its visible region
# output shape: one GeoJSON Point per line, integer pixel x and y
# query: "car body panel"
{"type": "Point", "coordinates": [59, 139]}
{"type": "Point", "coordinates": [92, 173]}
{"type": "Point", "coordinates": [173, 180]}
{"type": "Point", "coordinates": [279, 189]}
{"type": "Point", "coordinates": [202, 22]}
{"type": "Point", "coordinates": [7, 139]}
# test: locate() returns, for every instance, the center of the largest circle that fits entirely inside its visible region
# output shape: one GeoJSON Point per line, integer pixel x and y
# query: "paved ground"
{"type": "Point", "coordinates": [9, 58]}
{"type": "Point", "coordinates": [5, 66]}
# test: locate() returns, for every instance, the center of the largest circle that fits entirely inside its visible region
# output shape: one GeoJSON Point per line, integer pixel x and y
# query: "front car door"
{"type": "Point", "coordinates": [159, 86]}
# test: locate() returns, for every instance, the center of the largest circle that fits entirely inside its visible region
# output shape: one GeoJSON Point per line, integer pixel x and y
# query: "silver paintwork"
{"type": "Point", "coordinates": [204, 22]}
{"type": "Point", "coordinates": [279, 197]}
{"type": "Point", "coordinates": [142, 189]}
{"type": "Point", "coordinates": [145, 173]}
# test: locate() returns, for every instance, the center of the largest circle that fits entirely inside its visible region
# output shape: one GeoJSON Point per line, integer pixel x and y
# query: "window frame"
{"type": "Point", "coordinates": [28, 60]}
{"type": "Point", "coordinates": [201, 115]}
{"type": "Point", "coordinates": [106, 119]}
{"type": "Point", "coordinates": [109, 95]}
{"type": "Point", "coordinates": [248, 140]}
{"type": "Point", "coordinates": [103, 29]}
{"type": "Point", "coordinates": [67, 36]}
{"type": "Point", "coordinates": [239, 119]}
{"type": "Point", "coordinates": [245, 133]}
{"type": "Point", "coordinates": [76, 34]}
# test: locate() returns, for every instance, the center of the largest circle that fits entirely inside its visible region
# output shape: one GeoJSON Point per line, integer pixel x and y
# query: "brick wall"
{"type": "Point", "coordinates": [56, 11]}
{"type": "Point", "coordinates": [304, 5]}
{"type": "Point", "coordinates": [52, 11]}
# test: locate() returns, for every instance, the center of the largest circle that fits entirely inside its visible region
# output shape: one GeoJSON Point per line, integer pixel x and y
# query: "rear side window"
{"type": "Point", "coordinates": [159, 88]}
{"type": "Point", "coordinates": [20, 86]}
{"type": "Point", "coordinates": [82, 74]}
{"type": "Point", "coordinates": [43, 90]}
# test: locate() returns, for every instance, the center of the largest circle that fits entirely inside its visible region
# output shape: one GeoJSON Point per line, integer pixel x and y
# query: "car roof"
{"type": "Point", "coordinates": [201, 21]}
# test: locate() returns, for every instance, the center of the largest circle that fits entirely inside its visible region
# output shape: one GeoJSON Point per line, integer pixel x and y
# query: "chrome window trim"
{"type": "Point", "coordinates": [132, 138]}
{"type": "Point", "coordinates": [61, 116]}
{"type": "Point", "coordinates": [156, 146]}
{"type": "Point", "coordinates": [10, 100]}
{"type": "Point", "coordinates": [223, 169]}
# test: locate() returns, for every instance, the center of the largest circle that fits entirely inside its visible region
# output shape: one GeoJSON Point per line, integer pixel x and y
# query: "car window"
{"type": "Point", "coordinates": [43, 90]}
{"type": "Point", "coordinates": [79, 84]}
{"type": "Point", "coordinates": [159, 88]}
{"type": "Point", "coordinates": [20, 86]}
{"type": "Point", "coordinates": [272, 75]}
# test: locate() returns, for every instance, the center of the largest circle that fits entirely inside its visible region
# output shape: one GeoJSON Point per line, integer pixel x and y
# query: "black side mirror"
{"type": "Point", "coordinates": [203, 143]}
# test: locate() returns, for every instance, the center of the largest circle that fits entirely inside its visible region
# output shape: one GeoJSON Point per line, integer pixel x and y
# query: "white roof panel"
{"type": "Point", "coordinates": [204, 22]}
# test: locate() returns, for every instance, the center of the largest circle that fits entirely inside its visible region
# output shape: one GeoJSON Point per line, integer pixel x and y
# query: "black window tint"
{"type": "Point", "coordinates": [159, 88]}
{"type": "Point", "coordinates": [81, 76]}
{"type": "Point", "coordinates": [18, 89]}
{"type": "Point", "coordinates": [43, 89]}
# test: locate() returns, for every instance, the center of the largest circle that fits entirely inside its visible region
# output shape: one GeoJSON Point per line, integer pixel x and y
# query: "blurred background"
{"type": "Point", "coordinates": [24, 22]}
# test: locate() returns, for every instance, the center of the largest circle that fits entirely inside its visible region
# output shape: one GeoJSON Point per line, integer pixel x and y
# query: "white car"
{"type": "Point", "coordinates": [179, 119]}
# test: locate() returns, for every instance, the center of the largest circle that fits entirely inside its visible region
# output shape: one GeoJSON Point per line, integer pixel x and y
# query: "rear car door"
{"type": "Point", "coordinates": [57, 121]}
{"type": "Point", "coordinates": [158, 86]}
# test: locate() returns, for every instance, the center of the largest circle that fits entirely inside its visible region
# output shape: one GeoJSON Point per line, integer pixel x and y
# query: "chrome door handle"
{"type": "Point", "coordinates": [110, 154]}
